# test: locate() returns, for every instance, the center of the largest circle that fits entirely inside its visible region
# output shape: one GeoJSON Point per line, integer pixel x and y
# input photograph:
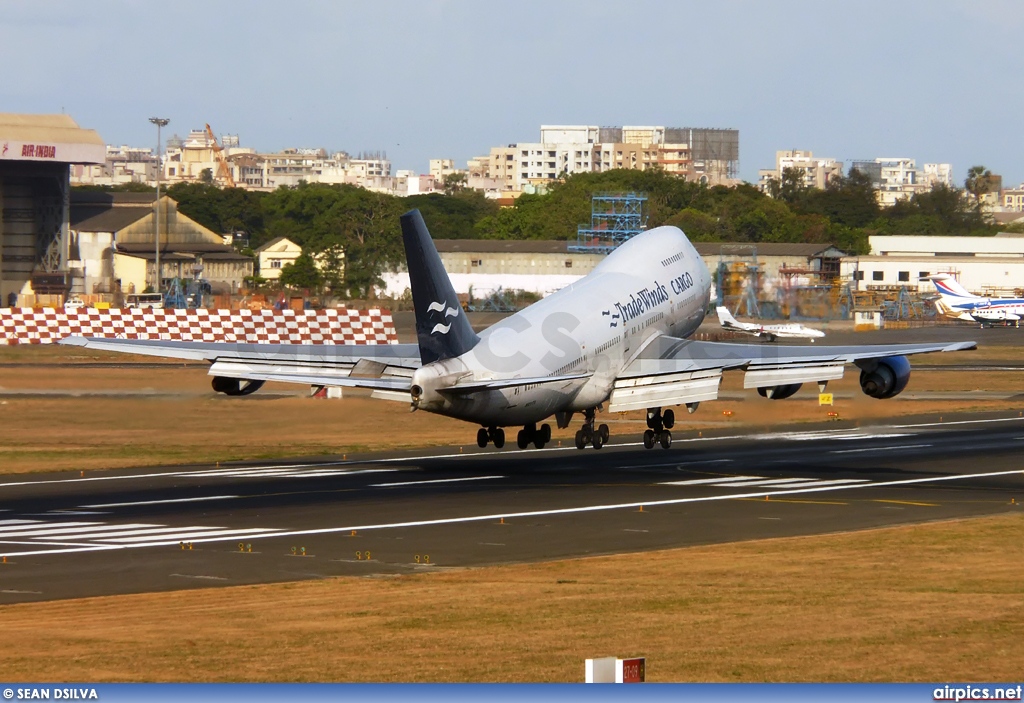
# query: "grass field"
{"type": "Point", "coordinates": [934, 602]}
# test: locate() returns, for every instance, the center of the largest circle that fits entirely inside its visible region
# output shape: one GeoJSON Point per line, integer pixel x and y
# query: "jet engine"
{"type": "Point", "coordinates": [235, 386]}
{"type": "Point", "coordinates": [779, 392]}
{"type": "Point", "coordinates": [885, 377]}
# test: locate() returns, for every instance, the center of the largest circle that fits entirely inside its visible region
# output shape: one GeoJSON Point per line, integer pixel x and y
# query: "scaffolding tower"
{"type": "Point", "coordinates": [614, 219]}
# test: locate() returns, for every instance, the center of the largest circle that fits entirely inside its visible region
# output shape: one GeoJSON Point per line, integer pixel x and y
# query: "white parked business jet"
{"type": "Point", "coordinates": [768, 332]}
{"type": "Point", "coordinates": [615, 340]}
{"type": "Point", "coordinates": [955, 301]}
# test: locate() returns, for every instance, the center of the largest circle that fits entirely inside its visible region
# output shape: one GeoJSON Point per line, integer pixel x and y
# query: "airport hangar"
{"type": "Point", "coordinates": [36, 155]}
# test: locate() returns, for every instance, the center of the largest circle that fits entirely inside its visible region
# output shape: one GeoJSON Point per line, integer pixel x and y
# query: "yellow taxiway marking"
{"type": "Point", "coordinates": [790, 500]}
{"type": "Point", "coordinates": [906, 502]}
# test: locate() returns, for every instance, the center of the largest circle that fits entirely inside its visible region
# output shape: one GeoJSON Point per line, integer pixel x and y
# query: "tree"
{"type": "Point", "coordinates": [206, 176]}
{"type": "Point", "coordinates": [978, 182]}
{"type": "Point", "coordinates": [302, 273]}
{"type": "Point", "coordinates": [453, 182]}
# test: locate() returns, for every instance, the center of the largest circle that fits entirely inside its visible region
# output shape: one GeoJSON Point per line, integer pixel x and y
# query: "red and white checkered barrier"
{"type": "Point", "coordinates": [47, 325]}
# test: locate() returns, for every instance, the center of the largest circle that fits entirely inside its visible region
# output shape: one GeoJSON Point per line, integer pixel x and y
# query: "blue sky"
{"type": "Point", "coordinates": [934, 80]}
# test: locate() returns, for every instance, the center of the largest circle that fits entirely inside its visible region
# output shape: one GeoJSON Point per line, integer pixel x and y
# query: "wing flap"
{"type": "Point", "coordinates": [664, 389]}
{"type": "Point", "coordinates": [760, 377]}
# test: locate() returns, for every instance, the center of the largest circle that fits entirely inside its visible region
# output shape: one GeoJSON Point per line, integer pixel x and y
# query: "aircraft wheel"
{"type": "Point", "coordinates": [665, 439]}
{"type": "Point", "coordinates": [498, 438]}
{"type": "Point", "coordinates": [580, 444]}
{"type": "Point", "coordinates": [538, 440]}
{"type": "Point", "coordinates": [598, 440]}
{"type": "Point", "coordinates": [648, 439]}
{"type": "Point", "coordinates": [668, 418]}
{"type": "Point", "coordinates": [523, 439]}
{"type": "Point", "coordinates": [604, 432]}
{"type": "Point", "coordinates": [545, 433]}
{"type": "Point", "coordinates": [588, 434]}
{"type": "Point", "coordinates": [481, 438]}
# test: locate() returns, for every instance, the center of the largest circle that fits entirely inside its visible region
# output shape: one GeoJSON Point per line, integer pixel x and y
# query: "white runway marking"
{"type": "Point", "coordinates": [89, 536]}
{"type": "Point", "coordinates": [761, 482]}
{"type": "Point", "coordinates": [436, 480]}
{"type": "Point", "coordinates": [879, 449]}
{"type": "Point", "coordinates": [159, 502]}
{"type": "Point", "coordinates": [107, 544]}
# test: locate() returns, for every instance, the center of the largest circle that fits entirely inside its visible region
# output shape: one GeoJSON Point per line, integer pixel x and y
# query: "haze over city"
{"type": "Point", "coordinates": [934, 81]}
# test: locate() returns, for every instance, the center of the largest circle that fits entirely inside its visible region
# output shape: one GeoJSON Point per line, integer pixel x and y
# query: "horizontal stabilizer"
{"type": "Point", "coordinates": [499, 383]}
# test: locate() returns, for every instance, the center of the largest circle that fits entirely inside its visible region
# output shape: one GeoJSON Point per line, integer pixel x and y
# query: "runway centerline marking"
{"type": "Point", "coordinates": [647, 504]}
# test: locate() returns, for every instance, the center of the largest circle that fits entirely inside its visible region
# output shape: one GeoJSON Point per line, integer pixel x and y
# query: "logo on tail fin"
{"type": "Point", "coordinates": [440, 306]}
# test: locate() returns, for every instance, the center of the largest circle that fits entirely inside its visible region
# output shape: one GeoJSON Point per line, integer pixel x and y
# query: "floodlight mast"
{"type": "Point", "coordinates": [159, 122]}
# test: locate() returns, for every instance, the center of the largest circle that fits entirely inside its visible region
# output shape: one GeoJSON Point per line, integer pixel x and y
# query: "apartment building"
{"type": "Point", "coordinates": [897, 178]}
{"type": "Point", "coordinates": [814, 172]}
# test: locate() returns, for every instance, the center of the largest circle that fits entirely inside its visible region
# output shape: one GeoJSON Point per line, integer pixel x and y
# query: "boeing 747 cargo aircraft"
{"type": "Point", "coordinates": [616, 340]}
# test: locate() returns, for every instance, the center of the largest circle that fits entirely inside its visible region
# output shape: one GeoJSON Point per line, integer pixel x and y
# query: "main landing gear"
{"type": "Point", "coordinates": [588, 435]}
{"type": "Point", "coordinates": [658, 424]}
{"type": "Point", "coordinates": [532, 434]}
{"type": "Point", "coordinates": [496, 435]}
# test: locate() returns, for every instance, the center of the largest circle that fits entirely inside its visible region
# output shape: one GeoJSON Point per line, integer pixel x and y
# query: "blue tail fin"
{"type": "Point", "coordinates": [442, 330]}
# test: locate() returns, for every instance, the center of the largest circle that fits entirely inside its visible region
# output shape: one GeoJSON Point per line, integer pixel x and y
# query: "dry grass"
{"type": "Point", "coordinates": [187, 423]}
{"type": "Point", "coordinates": [943, 601]}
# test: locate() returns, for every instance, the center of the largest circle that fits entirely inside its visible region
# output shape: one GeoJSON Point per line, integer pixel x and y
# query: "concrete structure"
{"type": "Point", "coordinates": [707, 155]}
{"type": "Point", "coordinates": [275, 255]}
{"type": "Point", "coordinates": [897, 179]}
{"type": "Point", "coordinates": [814, 173]}
{"type": "Point", "coordinates": [113, 252]}
{"type": "Point", "coordinates": [1013, 199]}
{"type": "Point", "coordinates": [36, 155]}
{"type": "Point", "coordinates": [983, 265]}
{"type": "Point", "coordinates": [123, 164]}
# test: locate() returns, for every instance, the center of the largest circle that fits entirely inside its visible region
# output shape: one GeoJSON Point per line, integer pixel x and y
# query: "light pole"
{"type": "Point", "coordinates": [159, 122]}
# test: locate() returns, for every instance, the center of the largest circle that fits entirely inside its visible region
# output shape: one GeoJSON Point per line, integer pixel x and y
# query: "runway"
{"type": "Point", "coordinates": [129, 531]}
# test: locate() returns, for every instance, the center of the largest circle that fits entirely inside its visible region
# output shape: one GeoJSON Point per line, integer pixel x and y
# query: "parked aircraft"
{"type": "Point", "coordinates": [615, 341]}
{"type": "Point", "coordinates": [768, 332]}
{"type": "Point", "coordinates": [955, 301]}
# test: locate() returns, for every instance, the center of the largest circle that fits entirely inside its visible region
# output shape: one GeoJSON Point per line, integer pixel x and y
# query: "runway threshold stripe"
{"type": "Point", "coordinates": [436, 480]}
{"type": "Point", "coordinates": [647, 504]}
{"type": "Point", "coordinates": [53, 529]}
{"type": "Point", "coordinates": [197, 535]}
{"type": "Point", "coordinates": [158, 502]}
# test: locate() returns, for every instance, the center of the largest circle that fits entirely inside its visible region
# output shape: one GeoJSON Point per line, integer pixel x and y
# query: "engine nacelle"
{"type": "Point", "coordinates": [779, 392]}
{"type": "Point", "coordinates": [885, 377]}
{"type": "Point", "coordinates": [235, 386]}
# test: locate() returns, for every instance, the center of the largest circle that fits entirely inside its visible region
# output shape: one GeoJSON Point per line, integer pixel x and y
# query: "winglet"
{"type": "Point", "coordinates": [442, 330]}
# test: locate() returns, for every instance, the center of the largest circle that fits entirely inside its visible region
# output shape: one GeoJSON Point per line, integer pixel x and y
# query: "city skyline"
{"type": "Point", "coordinates": [925, 80]}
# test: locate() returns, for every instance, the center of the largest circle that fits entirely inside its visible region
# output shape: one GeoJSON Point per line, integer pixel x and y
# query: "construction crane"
{"type": "Point", "coordinates": [223, 170]}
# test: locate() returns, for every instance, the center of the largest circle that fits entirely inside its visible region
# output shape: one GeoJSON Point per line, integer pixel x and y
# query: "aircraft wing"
{"type": "Point", "coordinates": [377, 366]}
{"type": "Point", "coordinates": [674, 371]}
